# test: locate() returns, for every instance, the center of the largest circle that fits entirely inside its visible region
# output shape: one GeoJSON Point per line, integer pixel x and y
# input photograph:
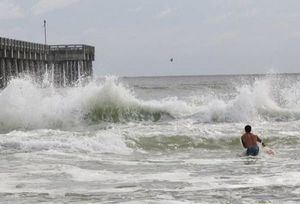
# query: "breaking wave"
{"type": "Point", "coordinates": [58, 141]}
{"type": "Point", "coordinates": [264, 100]}
{"type": "Point", "coordinates": [110, 141]}
{"type": "Point", "coordinates": [25, 105]}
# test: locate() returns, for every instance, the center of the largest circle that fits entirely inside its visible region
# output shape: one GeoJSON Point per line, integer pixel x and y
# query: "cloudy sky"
{"type": "Point", "coordinates": [138, 37]}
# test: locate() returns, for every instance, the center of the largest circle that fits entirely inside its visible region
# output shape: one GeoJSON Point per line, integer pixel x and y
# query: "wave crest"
{"type": "Point", "coordinates": [25, 105]}
{"type": "Point", "coordinates": [115, 103]}
{"type": "Point", "coordinates": [261, 101]}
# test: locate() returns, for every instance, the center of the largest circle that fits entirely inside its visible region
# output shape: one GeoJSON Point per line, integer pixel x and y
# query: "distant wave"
{"type": "Point", "coordinates": [165, 143]}
{"type": "Point", "coordinates": [151, 87]}
{"type": "Point", "coordinates": [261, 101]}
{"type": "Point", "coordinates": [182, 142]}
{"type": "Point", "coordinates": [59, 141]}
{"type": "Point", "coordinates": [110, 141]}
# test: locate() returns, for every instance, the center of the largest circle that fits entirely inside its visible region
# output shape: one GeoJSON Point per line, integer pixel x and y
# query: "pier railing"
{"type": "Point", "coordinates": [72, 52]}
{"type": "Point", "coordinates": [73, 47]}
{"type": "Point", "coordinates": [18, 44]}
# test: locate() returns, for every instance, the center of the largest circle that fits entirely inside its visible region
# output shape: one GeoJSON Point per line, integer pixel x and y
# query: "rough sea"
{"type": "Point", "coordinates": [167, 140]}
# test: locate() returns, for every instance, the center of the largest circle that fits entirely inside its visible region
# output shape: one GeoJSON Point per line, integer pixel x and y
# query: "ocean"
{"type": "Point", "coordinates": [165, 140]}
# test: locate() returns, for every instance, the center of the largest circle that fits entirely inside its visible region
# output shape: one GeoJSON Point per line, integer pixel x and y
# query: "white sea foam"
{"type": "Point", "coordinates": [252, 103]}
{"type": "Point", "coordinates": [65, 142]}
{"type": "Point", "coordinates": [24, 105]}
{"type": "Point", "coordinates": [79, 174]}
{"type": "Point", "coordinates": [57, 153]}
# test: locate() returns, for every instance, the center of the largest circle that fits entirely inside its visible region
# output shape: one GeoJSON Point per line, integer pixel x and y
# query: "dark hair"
{"type": "Point", "coordinates": [248, 128]}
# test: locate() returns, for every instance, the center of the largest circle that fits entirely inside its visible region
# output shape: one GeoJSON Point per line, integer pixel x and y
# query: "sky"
{"type": "Point", "coordinates": [139, 37]}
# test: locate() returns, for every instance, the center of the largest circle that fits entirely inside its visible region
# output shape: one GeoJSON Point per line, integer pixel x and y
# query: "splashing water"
{"type": "Point", "coordinates": [24, 105]}
{"type": "Point", "coordinates": [175, 141]}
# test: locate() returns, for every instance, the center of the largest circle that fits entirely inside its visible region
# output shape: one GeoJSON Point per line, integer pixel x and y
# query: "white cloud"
{"type": "Point", "coordinates": [43, 6]}
{"type": "Point", "coordinates": [10, 10]}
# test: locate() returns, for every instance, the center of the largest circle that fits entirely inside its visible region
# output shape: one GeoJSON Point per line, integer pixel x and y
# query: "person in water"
{"type": "Point", "coordinates": [249, 142]}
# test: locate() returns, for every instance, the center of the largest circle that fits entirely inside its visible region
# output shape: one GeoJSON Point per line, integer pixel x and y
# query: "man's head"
{"type": "Point", "coordinates": [247, 128]}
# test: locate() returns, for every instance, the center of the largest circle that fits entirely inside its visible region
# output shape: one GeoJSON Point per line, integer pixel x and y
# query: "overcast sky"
{"type": "Point", "coordinates": [138, 37]}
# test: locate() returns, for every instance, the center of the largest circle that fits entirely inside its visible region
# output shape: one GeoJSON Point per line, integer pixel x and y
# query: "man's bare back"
{"type": "Point", "coordinates": [249, 141]}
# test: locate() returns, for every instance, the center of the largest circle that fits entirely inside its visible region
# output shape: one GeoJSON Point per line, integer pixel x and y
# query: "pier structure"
{"type": "Point", "coordinates": [20, 57]}
{"type": "Point", "coordinates": [71, 63]}
{"type": "Point", "coordinates": [65, 63]}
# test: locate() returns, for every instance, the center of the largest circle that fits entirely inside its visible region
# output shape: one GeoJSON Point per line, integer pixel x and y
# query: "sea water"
{"type": "Point", "coordinates": [150, 140]}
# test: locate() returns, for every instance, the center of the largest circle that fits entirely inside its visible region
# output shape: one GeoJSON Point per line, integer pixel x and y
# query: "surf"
{"type": "Point", "coordinates": [260, 101]}
{"type": "Point", "coordinates": [26, 105]}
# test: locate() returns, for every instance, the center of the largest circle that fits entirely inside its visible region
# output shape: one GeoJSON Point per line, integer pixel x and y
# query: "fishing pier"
{"type": "Point", "coordinates": [66, 64]}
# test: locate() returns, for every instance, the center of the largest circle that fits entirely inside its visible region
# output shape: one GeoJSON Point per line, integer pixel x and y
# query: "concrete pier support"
{"type": "Point", "coordinates": [3, 78]}
{"type": "Point", "coordinates": [21, 66]}
{"type": "Point", "coordinates": [63, 75]}
{"type": "Point", "coordinates": [14, 67]}
{"type": "Point", "coordinates": [71, 72]}
{"type": "Point", "coordinates": [9, 67]}
{"type": "Point", "coordinates": [31, 67]}
{"type": "Point", "coordinates": [26, 67]}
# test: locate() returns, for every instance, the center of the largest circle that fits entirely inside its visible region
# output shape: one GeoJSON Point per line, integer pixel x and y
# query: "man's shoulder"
{"type": "Point", "coordinates": [245, 134]}
{"type": "Point", "coordinates": [249, 133]}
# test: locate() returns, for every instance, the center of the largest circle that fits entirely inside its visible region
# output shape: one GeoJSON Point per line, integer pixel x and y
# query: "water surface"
{"type": "Point", "coordinates": [150, 140]}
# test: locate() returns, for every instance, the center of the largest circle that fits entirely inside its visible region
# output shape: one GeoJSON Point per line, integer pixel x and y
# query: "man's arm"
{"type": "Point", "coordinates": [259, 140]}
{"type": "Point", "coordinates": [243, 142]}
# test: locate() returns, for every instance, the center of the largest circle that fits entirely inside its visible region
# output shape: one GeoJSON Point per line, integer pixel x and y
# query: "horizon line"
{"type": "Point", "coordinates": [207, 75]}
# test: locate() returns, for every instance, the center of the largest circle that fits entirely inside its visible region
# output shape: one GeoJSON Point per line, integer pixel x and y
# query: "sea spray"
{"type": "Point", "coordinates": [115, 103]}
{"type": "Point", "coordinates": [25, 105]}
{"type": "Point", "coordinates": [255, 102]}
{"type": "Point", "coordinates": [192, 154]}
{"type": "Point", "coordinates": [290, 96]}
